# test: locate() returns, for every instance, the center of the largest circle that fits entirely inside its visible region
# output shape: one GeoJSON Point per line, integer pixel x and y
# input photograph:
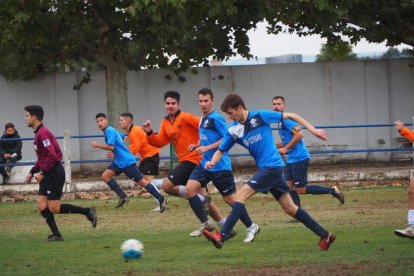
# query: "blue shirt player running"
{"type": "Point", "coordinates": [124, 162]}
{"type": "Point", "coordinates": [252, 131]}
{"type": "Point", "coordinates": [212, 129]}
{"type": "Point", "coordinates": [296, 170]}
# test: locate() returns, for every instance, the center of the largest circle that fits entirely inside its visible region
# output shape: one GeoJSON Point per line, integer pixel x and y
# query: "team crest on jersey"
{"type": "Point", "coordinates": [46, 143]}
{"type": "Point", "coordinates": [253, 122]}
{"type": "Point", "coordinates": [237, 131]}
{"type": "Point", "coordinates": [205, 125]}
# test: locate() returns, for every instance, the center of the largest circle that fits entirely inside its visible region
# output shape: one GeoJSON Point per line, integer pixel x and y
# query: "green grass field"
{"type": "Point", "coordinates": [365, 245]}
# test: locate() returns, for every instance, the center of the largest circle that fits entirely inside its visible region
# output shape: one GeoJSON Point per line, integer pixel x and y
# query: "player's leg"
{"type": "Point", "coordinates": [133, 173]}
{"type": "Point", "coordinates": [3, 170]}
{"type": "Point", "coordinates": [149, 168]}
{"type": "Point", "coordinates": [289, 173]}
{"type": "Point", "coordinates": [42, 206]}
{"type": "Point", "coordinates": [409, 231]}
{"type": "Point", "coordinates": [174, 183]}
{"type": "Point", "coordinates": [107, 177]}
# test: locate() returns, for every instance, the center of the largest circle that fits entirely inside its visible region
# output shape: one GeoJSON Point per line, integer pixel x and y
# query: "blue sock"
{"type": "Point", "coordinates": [319, 190]}
{"type": "Point", "coordinates": [238, 210]}
{"type": "Point", "coordinates": [154, 192]}
{"type": "Point", "coordinates": [115, 187]}
{"type": "Point", "coordinates": [302, 216]}
{"type": "Point", "coordinates": [295, 198]}
{"type": "Point", "coordinates": [245, 218]}
{"type": "Point", "coordinates": [198, 208]}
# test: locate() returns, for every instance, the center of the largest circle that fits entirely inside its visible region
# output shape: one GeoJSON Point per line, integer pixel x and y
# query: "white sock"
{"type": "Point", "coordinates": [201, 197]}
{"type": "Point", "coordinates": [158, 183]}
{"type": "Point", "coordinates": [410, 217]}
{"type": "Point", "coordinates": [181, 191]}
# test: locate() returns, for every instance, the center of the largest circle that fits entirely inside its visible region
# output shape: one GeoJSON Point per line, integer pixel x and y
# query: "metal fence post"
{"type": "Point", "coordinates": [66, 156]}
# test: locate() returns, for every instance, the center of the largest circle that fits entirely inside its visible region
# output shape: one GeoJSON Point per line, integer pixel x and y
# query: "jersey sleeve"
{"type": "Point", "coordinates": [221, 126]}
{"type": "Point", "coordinates": [161, 139]}
{"type": "Point", "coordinates": [48, 163]}
{"type": "Point", "coordinates": [193, 120]}
{"type": "Point", "coordinates": [227, 143]}
{"type": "Point", "coordinates": [407, 133]}
{"type": "Point", "coordinates": [270, 117]}
{"type": "Point", "coordinates": [110, 137]}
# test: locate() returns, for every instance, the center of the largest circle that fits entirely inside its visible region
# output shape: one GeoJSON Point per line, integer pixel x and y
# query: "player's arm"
{"type": "Point", "coordinates": [319, 133]}
{"type": "Point", "coordinates": [216, 157]}
{"type": "Point", "coordinates": [97, 145]}
{"type": "Point", "coordinates": [404, 131]}
{"type": "Point", "coordinates": [297, 136]}
{"type": "Point", "coordinates": [203, 149]}
{"type": "Point", "coordinates": [157, 140]}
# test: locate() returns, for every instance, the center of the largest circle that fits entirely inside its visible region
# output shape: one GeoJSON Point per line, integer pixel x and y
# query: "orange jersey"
{"type": "Point", "coordinates": [138, 143]}
{"type": "Point", "coordinates": [407, 133]}
{"type": "Point", "coordinates": [182, 133]}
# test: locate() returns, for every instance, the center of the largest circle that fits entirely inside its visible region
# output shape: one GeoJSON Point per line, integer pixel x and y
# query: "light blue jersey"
{"type": "Point", "coordinates": [123, 157]}
{"type": "Point", "coordinates": [299, 151]}
{"type": "Point", "coordinates": [212, 128]}
{"type": "Point", "coordinates": [256, 136]}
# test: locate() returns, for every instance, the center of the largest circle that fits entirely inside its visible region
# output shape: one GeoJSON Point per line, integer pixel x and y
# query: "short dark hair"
{"type": "Point", "coordinates": [8, 125]}
{"type": "Point", "coordinates": [232, 101]}
{"type": "Point", "coordinates": [172, 94]}
{"type": "Point", "coordinates": [100, 115]}
{"type": "Point", "coordinates": [35, 110]}
{"type": "Point", "coordinates": [279, 97]}
{"type": "Point", "coordinates": [128, 115]}
{"type": "Point", "coordinates": [206, 91]}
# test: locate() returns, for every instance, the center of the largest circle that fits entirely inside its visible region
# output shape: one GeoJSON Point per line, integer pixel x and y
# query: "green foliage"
{"type": "Point", "coordinates": [365, 245]}
{"type": "Point", "coordinates": [336, 51]}
{"type": "Point", "coordinates": [36, 36]}
{"type": "Point", "coordinates": [375, 20]}
{"type": "Point", "coordinates": [394, 53]}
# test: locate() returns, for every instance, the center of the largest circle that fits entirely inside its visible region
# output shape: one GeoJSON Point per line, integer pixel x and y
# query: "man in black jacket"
{"type": "Point", "coordinates": [10, 150]}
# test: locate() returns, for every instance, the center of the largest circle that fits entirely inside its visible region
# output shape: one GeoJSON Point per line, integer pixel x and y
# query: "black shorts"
{"type": "Point", "coordinates": [180, 174]}
{"type": "Point", "coordinates": [52, 183]}
{"type": "Point", "coordinates": [149, 165]}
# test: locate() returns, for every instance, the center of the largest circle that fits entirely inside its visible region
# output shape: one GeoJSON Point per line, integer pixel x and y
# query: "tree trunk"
{"type": "Point", "coordinates": [116, 91]}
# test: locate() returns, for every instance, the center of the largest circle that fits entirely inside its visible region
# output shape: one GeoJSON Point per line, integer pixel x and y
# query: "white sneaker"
{"type": "Point", "coordinates": [199, 232]}
{"type": "Point", "coordinates": [252, 231]}
{"type": "Point", "coordinates": [406, 233]}
{"type": "Point", "coordinates": [156, 209]}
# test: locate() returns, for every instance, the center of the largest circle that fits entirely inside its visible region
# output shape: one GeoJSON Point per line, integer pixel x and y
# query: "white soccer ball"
{"type": "Point", "coordinates": [132, 249]}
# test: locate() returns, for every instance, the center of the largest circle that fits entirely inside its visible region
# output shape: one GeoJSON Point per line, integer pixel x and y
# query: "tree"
{"type": "Point", "coordinates": [375, 20]}
{"type": "Point", "coordinates": [38, 36]}
{"type": "Point", "coordinates": [394, 53]}
{"type": "Point", "coordinates": [336, 51]}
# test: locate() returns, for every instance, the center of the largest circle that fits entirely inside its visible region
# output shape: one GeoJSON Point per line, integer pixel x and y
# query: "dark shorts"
{"type": "Point", "coordinates": [52, 183]}
{"type": "Point", "coordinates": [267, 179]}
{"type": "Point", "coordinates": [222, 180]}
{"type": "Point", "coordinates": [180, 174]}
{"type": "Point", "coordinates": [298, 173]}
{"type": "Point", "coordinates": [149, 166]}
{"type": "Point", "coordinates": [131, 171]}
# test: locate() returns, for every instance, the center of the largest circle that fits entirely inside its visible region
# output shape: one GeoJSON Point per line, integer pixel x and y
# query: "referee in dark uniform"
{"type": "Point", "coordinates": [50, 174]}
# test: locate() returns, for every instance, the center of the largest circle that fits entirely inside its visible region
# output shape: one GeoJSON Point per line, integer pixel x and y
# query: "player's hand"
{"type": "Point", "coordinates": [38, 177]}
{"type": "Point", "coordinates": [282, 151]}
{"type": "Point", "coordinates": [201, 149]}
{"type": "Point", "coordinates": [321, 134]}
{"type": "Point", "coordinates": [110, 155]}
{"type": "Point", "coordinates": [147, 126]}
{"type": "Point", "coordinates": [209, 165]}
{"type": "Point", "coordinates": [28, 178]}
{"type": "Point", "coordinates": [192, 147]}
{"type": "Point", "coordinates": [94, 144]}
{"type": "Point", "coordinates": [398, 125]}
{"type": "Point", "coordinates": [7, 155]}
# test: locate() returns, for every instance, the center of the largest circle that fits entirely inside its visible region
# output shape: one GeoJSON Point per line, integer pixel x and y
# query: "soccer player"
{"type": "Point", "coordinates": [212, 129]}
{"type": "Point", "coordinates": [181, 129]}
{"type": "Point", "coordinates": [296, 170]}
{"type": "Point", "coordinates": [124, 162]}
{"type": "Point", "coordinates": [409, 231]}
{"type": "Point", "coordinates": [138, 144]}
{"type": "Point", "coordinates": [251, 129]}
{"type": "Point", "coordinates": [50, 174]}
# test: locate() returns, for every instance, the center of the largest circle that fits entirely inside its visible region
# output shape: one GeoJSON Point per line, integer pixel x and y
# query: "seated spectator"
{"type": "Point", "coordinates": [10, 150]}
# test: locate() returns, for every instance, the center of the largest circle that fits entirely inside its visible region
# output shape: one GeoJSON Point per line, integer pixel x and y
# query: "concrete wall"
{"type": "Point", "coordinates": [340, 93]}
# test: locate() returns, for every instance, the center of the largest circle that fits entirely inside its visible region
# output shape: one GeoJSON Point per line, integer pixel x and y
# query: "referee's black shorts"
{"type": "Point", "coordinates": [52, 183]}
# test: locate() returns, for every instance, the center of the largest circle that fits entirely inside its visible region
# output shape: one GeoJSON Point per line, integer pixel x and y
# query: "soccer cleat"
{"type": "Point", "coordinates": [156, 209]}
{"type": "Point", "coordinates": [252, 231]}
{"type": "Point", "coordinates": [92, 217]}
{"type": "Point", "coordinates": [163, 204]}
{"type": "Point", "coordinates": [326, 242]}
{"type": "Point", "coordinates": [338, 195]}
{"type": "Point", "coordinates": [122, 201]}
{"type": "Point", "coordinates": [52, 238]}
{"type": "Point", "coordinates": [204, 226]}
{"type": "Point", "coordinates": [215, 238]}
{"type": "Point", "coordinates": [406, 233]}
